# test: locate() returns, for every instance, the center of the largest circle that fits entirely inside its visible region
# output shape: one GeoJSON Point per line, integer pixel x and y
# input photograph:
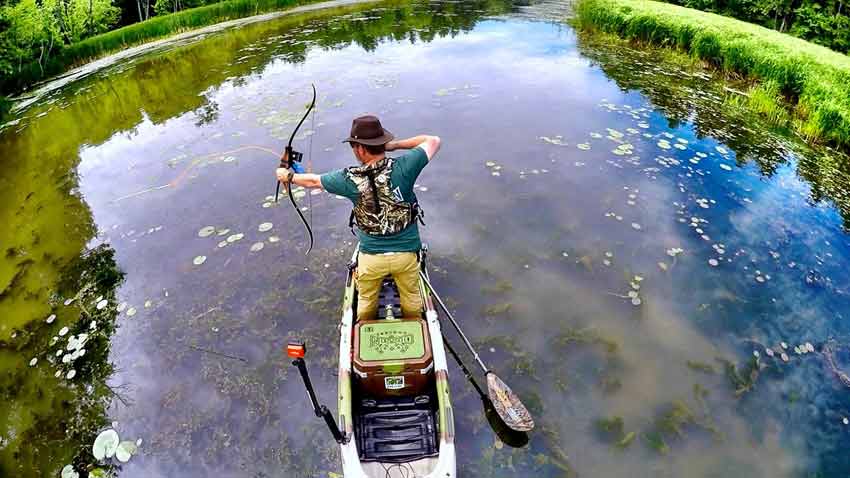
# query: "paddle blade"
{"type": "Point", "coordinates": [507, 405]}
{"type": "Point", "coordinates": [508, 435]}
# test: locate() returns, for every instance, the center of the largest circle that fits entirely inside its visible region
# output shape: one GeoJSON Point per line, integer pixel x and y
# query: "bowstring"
{"type": "Point", "coordinates": [310, 161]}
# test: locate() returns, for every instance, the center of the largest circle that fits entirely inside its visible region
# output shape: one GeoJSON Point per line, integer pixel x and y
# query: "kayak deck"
{"type": "Point", "coordinates": [396, 430]}
{"type": "Point", "coordinates": [394, 434]}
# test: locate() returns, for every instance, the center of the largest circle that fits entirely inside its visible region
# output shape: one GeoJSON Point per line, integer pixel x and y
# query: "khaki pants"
{"type": "Point", "coordinates": [372, 268]}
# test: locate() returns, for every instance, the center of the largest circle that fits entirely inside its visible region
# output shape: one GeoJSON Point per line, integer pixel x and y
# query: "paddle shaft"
{"type": "Point", "coordinates": [466, 372]}
{"type": "Point", "coordinates": [454, 322]}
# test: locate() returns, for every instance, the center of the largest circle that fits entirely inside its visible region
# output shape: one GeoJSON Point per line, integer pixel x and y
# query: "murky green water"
{"type": "Point", "coordinates": [572, 173]}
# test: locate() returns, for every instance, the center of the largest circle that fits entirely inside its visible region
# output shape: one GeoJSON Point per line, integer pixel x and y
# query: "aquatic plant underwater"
{"type": "Point", "coordinates": [640, 314]}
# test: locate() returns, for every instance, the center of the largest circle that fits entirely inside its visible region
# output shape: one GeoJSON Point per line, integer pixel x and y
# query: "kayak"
{"type": "Point", "coordinates": [395, 412]}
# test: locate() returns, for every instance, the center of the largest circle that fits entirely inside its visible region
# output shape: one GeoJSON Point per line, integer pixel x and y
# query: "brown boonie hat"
{"type": "Point", "coordinates": [368, 130]}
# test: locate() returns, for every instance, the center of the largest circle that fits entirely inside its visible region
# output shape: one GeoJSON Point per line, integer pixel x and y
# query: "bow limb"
{"type": "Point", "coordinates": [288, 187]}
{"type": "Point", "coordinates": [286, 161]}
{"type": "Point", "coordinates": [298, 126]}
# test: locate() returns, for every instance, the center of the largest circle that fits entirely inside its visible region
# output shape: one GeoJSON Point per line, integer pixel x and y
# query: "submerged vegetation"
{"type": "Point", "coordinates": [810, 81]}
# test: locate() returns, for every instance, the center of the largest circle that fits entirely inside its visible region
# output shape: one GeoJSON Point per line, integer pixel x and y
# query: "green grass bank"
{"type": "Point", "coordinates": [810, 82]}
{"type": "Point", "coordinates": [155, 28]}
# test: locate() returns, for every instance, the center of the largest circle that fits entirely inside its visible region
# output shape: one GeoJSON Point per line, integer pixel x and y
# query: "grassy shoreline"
{"type": "Point", "coordinates": [96, 47]}
{"type": "Point", "coordinates": [808, 82]}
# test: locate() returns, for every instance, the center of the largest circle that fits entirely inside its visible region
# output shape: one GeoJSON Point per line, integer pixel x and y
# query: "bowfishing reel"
{"type": "Point", "coordinates": [291, 159]}
{"type": "Point", "coordinates": [294, 157]}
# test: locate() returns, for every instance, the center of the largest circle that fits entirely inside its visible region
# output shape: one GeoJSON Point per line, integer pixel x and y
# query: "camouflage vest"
{"type": "Point", "coordinates": [378, 211]}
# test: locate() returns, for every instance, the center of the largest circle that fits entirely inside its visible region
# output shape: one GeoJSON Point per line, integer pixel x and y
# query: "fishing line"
{"type": "Point", "coordinates": [405, 470]}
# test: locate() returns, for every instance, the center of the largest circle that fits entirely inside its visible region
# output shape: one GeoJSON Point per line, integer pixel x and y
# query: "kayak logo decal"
{"type": "Point", "coordinates": [394, 383]}
{"type": "Point", "coordinates": [391, 341]}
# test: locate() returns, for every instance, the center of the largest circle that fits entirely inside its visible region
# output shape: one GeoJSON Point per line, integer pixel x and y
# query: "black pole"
{"type": "Point", "coordinates": [466, 372]}
{"type": "Point", "coordinates": [321, 411]}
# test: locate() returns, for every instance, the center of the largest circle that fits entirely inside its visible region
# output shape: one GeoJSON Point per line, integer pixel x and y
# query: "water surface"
{"type": "Point", "coordinates": [614, 235]}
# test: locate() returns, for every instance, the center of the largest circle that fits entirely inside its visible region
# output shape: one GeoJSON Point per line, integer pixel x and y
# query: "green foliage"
{"type": "Point", "coordinates": [30, 34]}
{"type": "Point", "coordinates": [5, 106]}
{"type": "Point", "coordinates": [164, 7]}
{"type": "Point", "coordinates": [788, 68]}
{"type": "Point", "coordinates": [826, 22]}
{"type": "Point", "coordinates": [766, 99]}
{"type": "Point", "coordinates": [42, 42]}
{"type": "Point", "coordinates": [78, 19]}
{"type": "Point", "coordinates": [33, 31]}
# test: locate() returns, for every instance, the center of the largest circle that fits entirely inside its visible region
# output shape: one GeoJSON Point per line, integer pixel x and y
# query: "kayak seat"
{"type": "Point", "coordinates": [388, 299]}
{"type": "Point", "coordinates": [397, 429]}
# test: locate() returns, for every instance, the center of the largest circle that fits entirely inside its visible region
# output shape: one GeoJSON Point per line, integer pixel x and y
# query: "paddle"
{"type": "Point", "coordinates": [507, 435]}
{"type": "Point", "coordinates": [504, 400]}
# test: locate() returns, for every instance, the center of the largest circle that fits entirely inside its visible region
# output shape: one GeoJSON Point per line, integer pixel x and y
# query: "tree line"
{"type": "Point", "coordinates": [826, 22]}
{"type": "Point", "coordinates": [34, 31]}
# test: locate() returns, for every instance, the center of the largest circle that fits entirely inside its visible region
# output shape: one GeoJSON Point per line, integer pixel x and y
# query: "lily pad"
{"type": "Point", "coordinates": [206, 231]}
{"type": "Point", "coordinates": [105, 444]}
{"type": "Point", "coordinates": [125, 450]}
{"type": "Point", "coordinates": [69, 472]}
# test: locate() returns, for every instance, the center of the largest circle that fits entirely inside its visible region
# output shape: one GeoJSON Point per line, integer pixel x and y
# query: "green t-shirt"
{"type": "Point", "coordinates": [406, 169]}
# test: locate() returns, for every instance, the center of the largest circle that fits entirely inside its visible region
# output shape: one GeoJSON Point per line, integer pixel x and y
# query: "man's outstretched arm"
{"type": "Point", "coordinates": [307, 180]}
{"type": "Point", "coordinates": [430, 144]}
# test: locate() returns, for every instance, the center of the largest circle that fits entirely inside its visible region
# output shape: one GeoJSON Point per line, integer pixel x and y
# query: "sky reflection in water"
{"type": "Point", "coordinates": [537, 251]}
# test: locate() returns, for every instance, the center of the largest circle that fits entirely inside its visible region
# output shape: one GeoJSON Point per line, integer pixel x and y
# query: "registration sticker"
{"type": "Point", "coordinates": [394, 383]}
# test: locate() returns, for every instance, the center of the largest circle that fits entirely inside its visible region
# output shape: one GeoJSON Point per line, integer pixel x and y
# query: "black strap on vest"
{"type": "Point", "coordinates": [370, 174]}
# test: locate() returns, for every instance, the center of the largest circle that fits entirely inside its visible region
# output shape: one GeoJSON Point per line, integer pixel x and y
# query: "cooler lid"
{"type": "Point", "coordinates": [391, 340]}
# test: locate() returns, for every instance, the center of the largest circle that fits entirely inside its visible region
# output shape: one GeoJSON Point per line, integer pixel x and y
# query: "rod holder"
{"type": "Point", "coordinates": [320, 410]}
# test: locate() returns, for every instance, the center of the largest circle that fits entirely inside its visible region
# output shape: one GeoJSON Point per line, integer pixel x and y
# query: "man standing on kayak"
{"type": "Point", "coordinates": [385, 211]}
